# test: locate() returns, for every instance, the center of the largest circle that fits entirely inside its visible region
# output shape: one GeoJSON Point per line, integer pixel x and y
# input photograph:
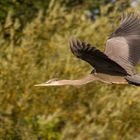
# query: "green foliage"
{"type": "Point", "coordinates": [37, 50]}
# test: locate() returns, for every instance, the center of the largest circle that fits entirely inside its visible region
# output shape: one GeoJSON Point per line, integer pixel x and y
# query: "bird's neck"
{"type": "Point", "coordinates": [79, 82]}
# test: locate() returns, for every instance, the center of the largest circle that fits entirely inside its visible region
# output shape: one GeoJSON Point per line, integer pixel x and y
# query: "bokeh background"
{"type": "Point", "coordinates": [34, 37]}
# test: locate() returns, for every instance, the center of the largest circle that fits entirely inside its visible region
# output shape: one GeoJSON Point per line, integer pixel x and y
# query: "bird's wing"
{"type": "Point", "coordinates": [94, 57]}
{"type": "Point", "coordinates": [123, 46]}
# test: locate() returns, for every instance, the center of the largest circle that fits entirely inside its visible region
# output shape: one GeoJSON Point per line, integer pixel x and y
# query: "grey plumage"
{"type": "Point", "coordinates": [134, 80]}
{"type": "Point", "coordinates": [123, 46]}
{"type": "Point", "coordinates": [117, 63]}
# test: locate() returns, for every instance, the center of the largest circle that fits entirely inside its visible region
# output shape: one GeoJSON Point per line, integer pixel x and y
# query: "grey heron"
{"type": "Point", "coordinates": [117, 63]}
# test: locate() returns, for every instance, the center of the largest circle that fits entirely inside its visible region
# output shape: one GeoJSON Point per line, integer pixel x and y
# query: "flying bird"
{"type": "Point", "coordinates": [116, 65]}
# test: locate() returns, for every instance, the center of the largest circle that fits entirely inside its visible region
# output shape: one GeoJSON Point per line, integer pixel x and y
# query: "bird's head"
{"type": "Point", "coordinates": [52, 82]}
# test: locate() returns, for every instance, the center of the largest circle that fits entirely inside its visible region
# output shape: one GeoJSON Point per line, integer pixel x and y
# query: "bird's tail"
{"type": "Point", "coordinates": [134, 80]}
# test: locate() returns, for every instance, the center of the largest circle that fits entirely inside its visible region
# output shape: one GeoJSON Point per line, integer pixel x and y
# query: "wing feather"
{"type": "Point", "coordinates": [123, 46]}
{"type": "Point", "coordinates": [94, 57]}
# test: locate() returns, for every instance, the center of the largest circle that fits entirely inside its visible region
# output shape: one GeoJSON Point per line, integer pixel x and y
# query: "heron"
{"type": "Point", "coordinates": [116, 65]}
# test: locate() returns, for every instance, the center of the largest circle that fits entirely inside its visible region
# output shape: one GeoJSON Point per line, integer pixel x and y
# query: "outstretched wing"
{"type": "Point", "coordinates": [94, 57]}
{"type": "Point", "coordinates": [123, 46]}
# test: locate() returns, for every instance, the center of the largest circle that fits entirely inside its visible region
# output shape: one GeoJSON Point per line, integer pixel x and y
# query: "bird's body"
{"type": "Point", "coordinates": [110, 79]}
{"type": "Point", "coordinates": [116, 64]}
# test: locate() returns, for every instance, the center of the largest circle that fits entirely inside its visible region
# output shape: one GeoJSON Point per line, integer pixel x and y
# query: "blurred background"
{"type": "Point", "coordinates": [34, 37]}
